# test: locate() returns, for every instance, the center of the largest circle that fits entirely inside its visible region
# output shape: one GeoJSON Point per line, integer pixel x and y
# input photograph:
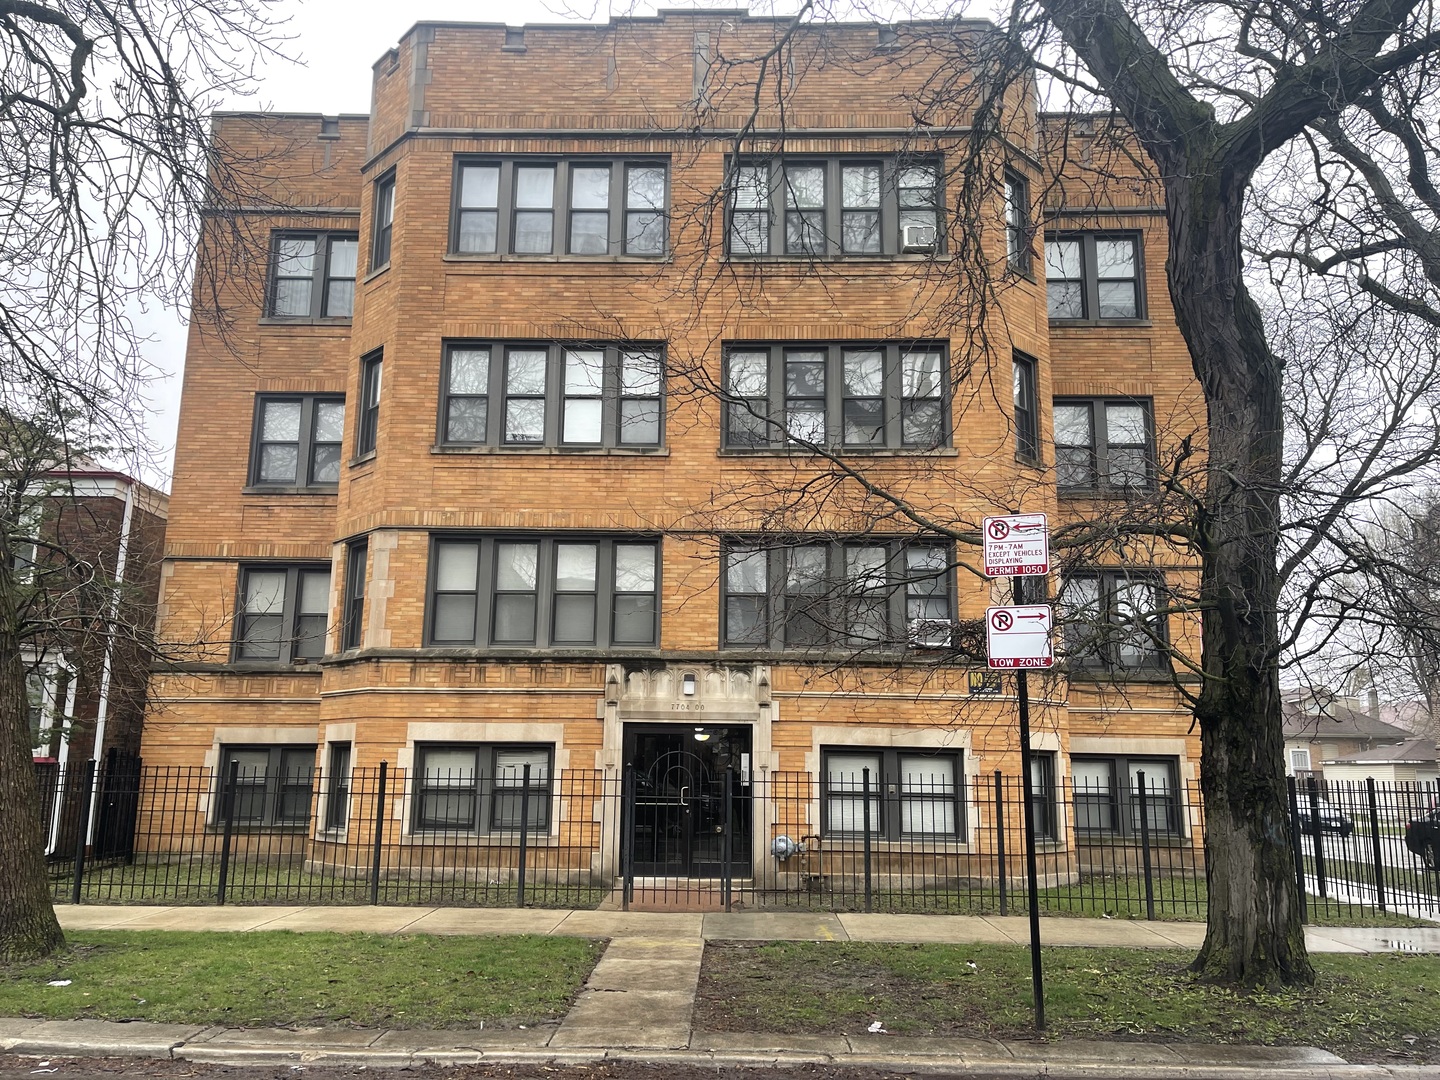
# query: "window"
{"type": "Point", "coordinates": [583, 395]}
{"type": "Point", "coordinates": [312, 275]}
{"type": "Point", "coordinates": [826, 208]}
{"type": "Point", "coordinates": [297, 441]}
{"type": "Point", "coordinates": [384, 221]}
{"type": "Point", "coordinates": [26, 541]}
{"type": "Point", "coordinates": [482, 788]}
{"type": "Point", "coordinates": [273, 785]}
{"type": "Point", "coordinates": [1042, 793]}
{"type": "Point", "coordinates": [37, 704]}
{"type": "Point", "coordinates": [860, 594]}
{"type": "Point", "coordinates": [598, 207]}
{"type": "Point", "coordinates": [284, 612]}
{"type": "Point", "coordinates": [367, 430]}
{"type": "Point", "coordinates": [1299, 761]}
{"type": "Point", "coordinates": [1017, 222]}
{"type": "Point", "coordinates": [49, 700]}
{"type": "Point", "coordinates": [1027, 424]}
{"type": "Point", "coordinates": [843, 397]}
{"type": "Point", "coordinates": [911, 792]}
{"type": "Point", "coordinates": [353, 630]}
{"type": "Point", "coordinates": [337, 802]}
{"type": "Point", "coordinates": [1103, 445]}
{"type": "Point", "coordinates": [562, 591]}
{"type": "Point", "coordinates": [1107, 795]}
{"type": "Point", "coordinates": [1113, 619]}
{"type": "Point", "coordinates": [1092, 277]}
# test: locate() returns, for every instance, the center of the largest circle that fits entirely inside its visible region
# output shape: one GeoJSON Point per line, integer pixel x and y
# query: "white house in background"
{"type": "Point", "coordinates": [1412, 762]}
{"type": "Point", "coordinates": [1316, 735]}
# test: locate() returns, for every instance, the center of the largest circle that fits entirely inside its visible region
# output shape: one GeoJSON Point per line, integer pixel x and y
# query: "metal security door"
{"type": "Point", "coordinates": [679, 812]}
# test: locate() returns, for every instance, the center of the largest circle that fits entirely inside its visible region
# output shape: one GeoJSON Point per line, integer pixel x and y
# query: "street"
{"type": "Point", "coordinates": [110, 1069]}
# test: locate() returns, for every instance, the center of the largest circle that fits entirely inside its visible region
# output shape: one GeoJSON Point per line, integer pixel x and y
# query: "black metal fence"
{"type": "Point", "coordinates": [584, 838]}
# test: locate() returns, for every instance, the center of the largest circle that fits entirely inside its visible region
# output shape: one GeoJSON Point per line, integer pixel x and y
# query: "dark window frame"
{"type": "Point", "coordinates": [288, 644]}
{"type": "Point", "coordinates": [367, 424]}
{"type": "Point", "coordinates": [622, 210]}
{"type": "Point", "coordinates": [1089, 276]}
{"type": "Point", "coordinates": [484, 598]}
{"type": "Point", "coordinates": [781, 206]}
{"type": "Point", "coordinates": [783, 609]}
{"type": "Point", "coordinates": [1100, 447]}
{"type": "Point", "coordinates": [1122, 804]}
{"type": "Point", "coordinates": [352, 623]}
{"type": "Point", "coordinates": [383, 230]}
{"type": "Point", "coordinates": [1019, 232]}
{"type": "Point", "coordinates": [320, 277]}
{"type": "Point", "coordinates": [484, 789]}
{"type": "Point", "coordinates": [613, 397]}
{"type": "Point", "coordinates": [1043, 794]}
{"type": "Point", "coordinates": [756, 423]}
{"type": "Point", "coordinates": [1027, 407]}
{"type": "Point", "coordinates": [338, 758]}
{"type": "Point", "coordinates": [306, 445]}
{"type": "Point", "coordinates": [1095, 642]}
{"type": "Point", "coordinates": [888, 795]}
{"type": "Point", "coordinates": [270, 790]}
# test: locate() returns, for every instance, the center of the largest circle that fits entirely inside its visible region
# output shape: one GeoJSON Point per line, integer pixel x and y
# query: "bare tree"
{"type": "Point", "coordinates": [104, 175]}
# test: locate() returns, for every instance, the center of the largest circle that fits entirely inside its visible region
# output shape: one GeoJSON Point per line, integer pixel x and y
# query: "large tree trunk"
{"type": "Point", "coordinates": [1254, 936]}
{"type": "Point", "coordinates": [28, 927]}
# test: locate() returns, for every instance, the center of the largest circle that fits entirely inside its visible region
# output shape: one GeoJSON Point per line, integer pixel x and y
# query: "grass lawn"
{"type": "Point", "coordinates": [196, 881]}
{"type": "Point", "coordinates": [1177, 899]}
{"type": "Point", "coordinates": [1365, 1008]}
{"type": "Point", "coordinates": [290, 979]}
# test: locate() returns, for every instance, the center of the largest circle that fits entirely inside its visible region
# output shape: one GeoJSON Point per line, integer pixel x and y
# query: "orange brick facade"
{"type": "Point", "coordinates": [449, 95]}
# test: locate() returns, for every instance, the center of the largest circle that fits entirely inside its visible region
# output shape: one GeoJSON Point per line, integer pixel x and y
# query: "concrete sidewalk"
{"type": "Point", "coordinates": [719, 926]}
{"type": "Point", "coordinates": [638, 1002]}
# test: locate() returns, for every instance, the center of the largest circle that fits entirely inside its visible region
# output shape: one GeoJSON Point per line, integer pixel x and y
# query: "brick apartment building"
{"type": "Point", "coordinates": [509, 457]}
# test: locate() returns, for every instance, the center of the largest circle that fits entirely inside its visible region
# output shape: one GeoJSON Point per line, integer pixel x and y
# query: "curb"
{"type": "Point", "coordinates": [1051, 1060]}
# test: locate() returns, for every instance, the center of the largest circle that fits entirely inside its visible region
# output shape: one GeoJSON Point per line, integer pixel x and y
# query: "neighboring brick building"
{"type": "Point", "coordinates": [98, 539]}
{"type": "Point", "coordinates": [496, 466]}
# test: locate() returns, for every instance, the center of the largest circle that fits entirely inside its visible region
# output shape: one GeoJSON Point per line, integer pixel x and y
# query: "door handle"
{"type": "Point", "coordinates": [683, 790]}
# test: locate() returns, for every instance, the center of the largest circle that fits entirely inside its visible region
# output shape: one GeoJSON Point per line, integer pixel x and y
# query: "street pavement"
{"type": "Point", "coordinates": [638, 1003]}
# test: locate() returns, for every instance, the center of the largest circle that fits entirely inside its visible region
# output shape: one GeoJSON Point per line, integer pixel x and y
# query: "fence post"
{"type": "Point", "coordinates": [378, 840]}
{"type": "Point", "coordinates": [727, 867]}
{"type": "Point", "coordinates": [524, 834]}
{"type": "Point", "coordinates": [627, 838]}
{"type": "Point", "coordinates": [1145, 847]}
{"type": "Point", "coordinates": [1295, 843]}
{"type": "Point", "coordinates": [1313, 791]}
{"type": "Point", "coordinates": [227, 809]}
{"type": "Point", "coordinates": [1000, 841]}
{"type": "Point", "coordinates": [1375, 847]}
{"type": "Point", "coordinates": [865, 783]}
{"type": "Point", "coordinates": [82, 820]}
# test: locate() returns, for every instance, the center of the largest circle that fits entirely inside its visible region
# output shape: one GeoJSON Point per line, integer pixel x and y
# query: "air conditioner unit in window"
{"type": "Point", "coordinates": [929, 633]}
{"type": "Point", "coordinates": [918, 238]}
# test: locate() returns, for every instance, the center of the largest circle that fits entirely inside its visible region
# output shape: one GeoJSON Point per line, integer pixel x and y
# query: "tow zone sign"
{"type": "Point", "coordinates": [1016, 545]}
{"type": "Point", "coordinates": [1019, 637]}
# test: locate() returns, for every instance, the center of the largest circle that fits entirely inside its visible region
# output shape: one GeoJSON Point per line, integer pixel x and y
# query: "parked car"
{"type": "Point", "coordinates": [1422, 836]}
{"type": "Point", "coordinates": [1332, 820]}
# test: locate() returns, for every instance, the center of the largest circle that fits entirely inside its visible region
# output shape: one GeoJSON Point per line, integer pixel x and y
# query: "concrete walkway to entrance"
{"type": "Point", "coordinates": [638, 1002]}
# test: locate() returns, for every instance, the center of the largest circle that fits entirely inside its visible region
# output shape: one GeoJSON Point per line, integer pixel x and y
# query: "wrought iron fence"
{"type": "Point", "coordinates": [584, 838]}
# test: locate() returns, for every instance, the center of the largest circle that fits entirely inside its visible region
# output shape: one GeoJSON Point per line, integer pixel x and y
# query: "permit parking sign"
{"type": "Point", "coordinates": [1018, 637]}
{"type": "Point", "coordinates": [1016, 545]}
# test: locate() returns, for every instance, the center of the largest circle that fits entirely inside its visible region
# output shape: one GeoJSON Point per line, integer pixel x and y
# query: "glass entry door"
{"type": "Point", "coordinates": [679, 809]}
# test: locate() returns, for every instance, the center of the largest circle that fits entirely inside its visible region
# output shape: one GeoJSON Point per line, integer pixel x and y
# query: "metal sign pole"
{"type": "Point", "coordinates": [1037, 979]}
